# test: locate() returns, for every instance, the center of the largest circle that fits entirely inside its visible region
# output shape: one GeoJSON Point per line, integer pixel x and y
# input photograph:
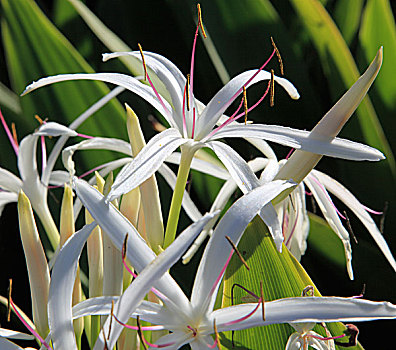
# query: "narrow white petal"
{"type": "Point", "coordinates": [7, 345]}
{"type": "Point", "coordinates": [304, 309]}
{"type": "Point", "coordinates": [223, 99]}
{"type": "Point", "coordinates": [328, 209]}
{"type": "Point", "coordinates": [54, 129]}
{"type": "Point", "coordinates": [302, 139]}
{"type": "Point", "coordinates": [237, 167]}
{"type": "Point", "coordinates": [233, 224]}
{"type": "Point", "coordinates": [10, 334]}
{"type": "Point", "coordinates": [117, 226]}
{"type": "Point", "coordinates": [353, 203]}
{"type": "Point", "coordinates": [123, 80]}
{"type": "Point", "coordinates": [7, 197]}
{"type": "Point", "coordinates": [61, 290]}
{"type": "Point", "coordinates": [9, 182]}
{"type": "Point", "coordinates": [270, 218]}
{"type": "Point", "coordinates": [132, 296]}
{"type": "Point", "coordinates": [146, 162]}
{"type": "Point", "coordinates": [59, 177]}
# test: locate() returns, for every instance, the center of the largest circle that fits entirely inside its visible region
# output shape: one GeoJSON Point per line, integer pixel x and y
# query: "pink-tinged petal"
{"type": "Point", "coordinates": [132, 296]}
{"type": "Point", "coordinates": [304, 309]}
{"type": "Point", "coordinates": [223, 99]}
{"type": "Point", "coordinates": [233, 224]}
{"type": "Point", "coordinates": [353, 203]}
{"type": "Point", "coordinates": [301, 139]}
{"type": "Point", "coordinates": [146, 162]}
{"type": "Point", "coordinates": [123, 80]}
{"type": "Point", "coordinates": [61, 290]}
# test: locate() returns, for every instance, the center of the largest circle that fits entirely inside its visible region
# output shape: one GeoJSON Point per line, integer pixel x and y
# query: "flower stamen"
{"type": "Point", "coordinates": [200, 23]}
{"type": "Point", "coordinates": [245, 106]}
{"type": "Point", "coordinates": [262, 300]}
{"type": "Point", "coordinates": [349, 227]}
{"type": "Point", "coordinates": [143, 61]}
{"type": "Point", "coordinates": [278, 55]}
{"type": "Point", "coordinates": [272, 89]}
{"type": "Point", "coordinates": [9, 135]}
{"type": "Point", "coordinates": [237, 252]}
{"type": "Point", "coordinates": [14, 133]}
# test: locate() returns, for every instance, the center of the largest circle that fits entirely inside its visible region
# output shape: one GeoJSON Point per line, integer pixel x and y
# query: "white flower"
{"type": "Point", "coordinates": [304, 337]}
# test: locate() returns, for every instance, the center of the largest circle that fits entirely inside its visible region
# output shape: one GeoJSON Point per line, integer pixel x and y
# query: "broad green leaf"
{"type": "Point", "coordinates": [282, 276]}
{"type": "Point", "coordinates": [330, 44]}
{"type": "Point", "coordinates": [347, 15]}
{"type": "Point", "coordinates": [9, 99]}
{"type": "Point", "coordinates": [325, 242]}
{"type": "Point", "coordinates": [378, 28]}
{"type": "Point", "coordinates": [35, 48]}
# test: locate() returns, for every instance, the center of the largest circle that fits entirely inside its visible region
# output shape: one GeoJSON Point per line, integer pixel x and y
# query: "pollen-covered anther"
{"type": "Point", "coordinates": [39, 119]}
{"type": "Point", "coordinates": [143, 61]}
{"type": "Point", "coordinates": [245, 103]}
{"type": "Point", "coordinates": [187, 92]}
{"type": "Point", "coordinates": [278, 55]}
{"type": "Point", "coordinates": [308, 291]}
{"type": "Point", "coordinates": [272, 89]}
{"type": "Point", "coordinates": [9, 300]}
{"type": "Point", "coordinates": [217, 339]}
{"type": "Point", "coordinates": [234, 247]}
{"type": "Point", "coordinates": [124, 247]}
{"type": "Point", "coordinates": [349, 226]}
{"type": "Point", "coordinates": [14, 133]}
{"type": "Point", "coordinates": [200, 23]}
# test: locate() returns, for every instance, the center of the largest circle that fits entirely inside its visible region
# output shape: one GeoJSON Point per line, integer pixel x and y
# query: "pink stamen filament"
{"type": "Point", "coordinates": [234, 118]}
{"type": "Point", "coordinates": [9, 135]}
{"type": "Point", "coordinates": [193, 61]}
{"type": "Point", "coordinates": [213, 345]}
{"type": "Point", "coordinates": [328, 197]}
{"type": "Point", "coordinates": [293, 230]}
{"type": "Point", "coordinates": [135, 328]}
{"type": "Point", "coordinates": [184, 111]}
{"type": "Point", "coordinates": [371, 210]}
{"type": "Point", "coordinates": [43, 154]}
{"type": "Point", "coordinates": [326, 338]}
{"type": "Point", "coordinates": [221, 274]}
{"type": "Point", "coordinates": [31, 329]}
{"type": "Point", "coordinates": [154, 290]}
{"type": "Point", "coordinates": [290, 153]}
{"type": "Point", "coordinates": [85, 136]}
{"type": "Point", "coordinates": [244, 317]}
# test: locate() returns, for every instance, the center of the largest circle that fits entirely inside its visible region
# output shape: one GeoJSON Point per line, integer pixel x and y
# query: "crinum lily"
{"type": "Point", "coordinates": [194, 321]}
{"type": "Point", "coordinates": [193, 125]}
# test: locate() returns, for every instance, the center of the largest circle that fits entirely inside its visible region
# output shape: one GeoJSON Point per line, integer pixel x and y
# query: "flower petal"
{"type": "Point", "coordinates": [61, 290]}
{"type": "Point", "coordinates": [303, 309]}
{"type": "Point", "coordinates": [10, 334]}
{"type": "Point", "coordinates": [5, 198]}
{"type": "Point", "coordinates": [10, 182]}
{"type": "Point", "coordinates": [146, 162]}
{"type": "Point", "coordinates": [302, 139]}
{"type": "Point", "coordinates": [226, 95]}
{"type": "Point", "coordinates": [54, 129]}
{"type": "Point", "coordinates": [123, 80]}
{"type": "Point", "coordinates": [233, 224]}
{"type": "Point", "coordinates": [132, 296]}
{"type": "Point", "coordinates": [352, 202]}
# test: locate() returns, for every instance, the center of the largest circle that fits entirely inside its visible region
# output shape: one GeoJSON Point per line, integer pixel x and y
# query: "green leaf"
{"type": "Point", "coordinates": [282, 276]}
{"type": "Point", "coordinates": [378, 28]}
{"type": "Point", "coordinates": [9, 99]}
{"type": "Point", "coordinates": [347, 15]}
{"type": "Point", "coordinates": [35, 48]}
{"type": "Point", "coordinates": [331, 45]}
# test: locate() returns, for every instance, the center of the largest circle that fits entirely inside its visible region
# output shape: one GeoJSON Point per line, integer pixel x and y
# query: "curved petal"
{"type": "Point", "coordinates": [147, 162]}
{"type": "Point", "coordinates": [7, 345]}
{"type": "Point", "coordinates": [123, 80]}
{"type": "Point", "coordinates": [7, 197]}
{"type": "Point", "coordinates": [270, 218]}
{"type": "Point", "coordinates": [303, 309]}
{"type": "Point", "coordinates": [54, 129]}
{"type": "Point", "coordinates": [352, 202]}
{"type": "Point", "coordinates": [329, 211]}
{"type": "Point", "coordinates": [302, 139]}
{"type": "Point", "coordinates": [133, 295]}
{"type": "Point", "coordinates": [10, 182]}
{"type": "Point", "coordinates": [293, 343]}
{"type": "Point", "coordinates": [61, 290]}
{"type": "Point", "coordinates": [117, 226]}
{"type": "Point", "coordinates": [10, 334]}
{"type": "Point", "coordinates": [223, 99]}
{"type": "Point", "coordinates": [233, 224]}
{"type": "Point", "coordinates": [237, 167]}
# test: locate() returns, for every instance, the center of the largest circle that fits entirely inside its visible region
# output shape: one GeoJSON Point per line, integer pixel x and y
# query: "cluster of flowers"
{"type": "Point", "coordinates": [124, 230]}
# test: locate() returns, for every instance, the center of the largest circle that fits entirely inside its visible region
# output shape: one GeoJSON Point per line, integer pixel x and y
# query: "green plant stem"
{"type": "Point", "coordinates": [184, 169]}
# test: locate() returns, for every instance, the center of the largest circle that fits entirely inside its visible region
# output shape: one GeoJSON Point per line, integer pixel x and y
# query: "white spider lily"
{"type": "Point", "coordinates": [192, 321]}
{"type": "Point", "coordinates": [194, 126]}
{"type": "Point", "coordinates": [304, 337]}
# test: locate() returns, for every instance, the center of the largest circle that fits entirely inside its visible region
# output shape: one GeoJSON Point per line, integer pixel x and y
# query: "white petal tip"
{"type": "Point", "coordinates": [105, 57]}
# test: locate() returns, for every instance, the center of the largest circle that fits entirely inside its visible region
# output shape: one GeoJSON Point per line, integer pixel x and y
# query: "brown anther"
{"type": "Point", "coordinates": [140, 333]}
{"type": "Point", "coordinates": [382, 221]}
{"type": "Point", "coordinates": [9, 300]}
{"type": "Point", "coordinates": [217, 339]}
{"type": "Point", "coordinates": [124, 247]}
{"type": "Point", "coordinates": [349, 226]}
{"type": "Point", "coordinates": [106, 347]}
{"type": "Point", "coordinates": [200, 20]}
{"type": "Point", "coordinates": [14, 133]}
{"type": "Point", "coordinates": [245, 106]}
{"type": "Point", "coordinates": [308, 291]}
{"type": "Point", "coordinates": [39, 119]}
{"type": "Point", "coordinates": [278, 55]}
{"type": "Point", "coordinates": [111, 319]}
{"type": "Point", "coordinates": [272, 89]}
{"type": "Point", "coordinates": [188, 92]}
{"type": "Point", "coordinates": [262, 300]}
{"type": "Point", "coordinates": [237, 252]}
{"type": "Point", "coordinates": [143, 61]}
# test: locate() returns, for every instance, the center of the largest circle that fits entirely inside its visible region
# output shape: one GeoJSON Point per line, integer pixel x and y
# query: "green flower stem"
{"type": "Point", "coordinates": [187, 155]}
